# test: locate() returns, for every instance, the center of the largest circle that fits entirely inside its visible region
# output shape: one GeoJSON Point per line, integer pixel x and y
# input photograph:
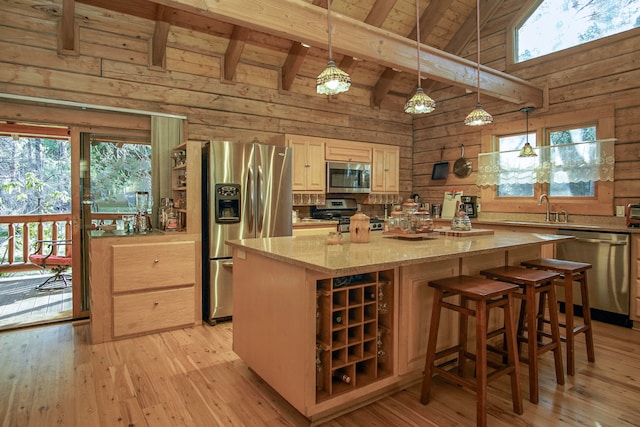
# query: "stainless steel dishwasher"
{"type": "Point", "coordinates": [608, 279]}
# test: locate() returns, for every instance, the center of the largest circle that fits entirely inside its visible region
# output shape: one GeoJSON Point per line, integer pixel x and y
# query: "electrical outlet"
{"type": "Point", "coordinates": [619, 210]}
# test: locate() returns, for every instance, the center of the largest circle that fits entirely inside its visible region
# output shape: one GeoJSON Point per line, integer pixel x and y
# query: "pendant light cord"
{"type": "Point", "coordinates": [418, 39]}
{"type": "Point", "coordinates": [478, 43]}
{"type": "Point", "coordinates": [329, 24]}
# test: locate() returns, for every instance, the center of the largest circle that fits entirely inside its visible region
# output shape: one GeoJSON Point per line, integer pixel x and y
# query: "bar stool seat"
{"type": "Point", "coordinates": [486, 294]}
{"type": "Point", "coordinates": [534, 283]}
{"type": "Point", "coordinates": [571, 271]}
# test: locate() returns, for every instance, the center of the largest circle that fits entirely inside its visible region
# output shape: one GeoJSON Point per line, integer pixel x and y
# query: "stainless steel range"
{"type": "Point", "coordinates": [342, 210]}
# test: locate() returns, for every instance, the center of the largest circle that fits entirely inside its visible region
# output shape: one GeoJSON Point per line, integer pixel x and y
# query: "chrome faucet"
{"type": "Point", "coordinates": [547, 216]}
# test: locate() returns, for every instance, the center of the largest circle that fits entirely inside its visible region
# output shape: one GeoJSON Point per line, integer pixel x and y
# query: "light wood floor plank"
{"type": "Point", "coordinates": [51, 375]}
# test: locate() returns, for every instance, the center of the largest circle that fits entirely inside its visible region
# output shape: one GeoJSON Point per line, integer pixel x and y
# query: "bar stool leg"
{"type": "Point", "coordinates": [555, 332]}
{"type": "Point", "coordinates": [569, 321]}
{"type": "Point", "coordinates": [481, 363]}
{"type": "Point", "coordinates": [532, 342]}
{"type": "Point", "coordinates": [463, 327]}
{"type": "Point", "coordinates": [512, 356]}
{"type": "Point", "coordinates": [425, 395]}
{"type": "Point", "coordinates": [586, 316]}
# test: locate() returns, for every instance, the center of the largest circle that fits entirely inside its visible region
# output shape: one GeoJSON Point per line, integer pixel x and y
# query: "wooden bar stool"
{"type": "Point", "coordinates": [534, 283]}
{"type": "Point", "coordinates": [486, 294]}
{"type": "Point", "coordinates": [571, 271]}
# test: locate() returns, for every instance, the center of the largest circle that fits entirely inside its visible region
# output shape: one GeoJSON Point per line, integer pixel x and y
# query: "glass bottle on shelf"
{"type": "Point", "coordinates": [382, 298]}
{"type": "Point", "coordinates": [173, 219]}
{"type": "Point", "coordinates": [342, 376]}
{"type": "Point", "coordinates": [319, 376]}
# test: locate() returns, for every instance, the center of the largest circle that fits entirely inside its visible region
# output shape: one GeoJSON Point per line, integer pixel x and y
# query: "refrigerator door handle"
{"type": "Point", "coordinates": [228, 264]}
{"type": "Point", "coordinates": [260, 196]}
{"type": "Point", "coordinates": [250, 218]}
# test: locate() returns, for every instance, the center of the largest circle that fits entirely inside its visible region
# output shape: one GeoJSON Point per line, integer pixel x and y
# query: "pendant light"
{"type": "Point", "coordinates": [527, 149]}
{"type": "Point", "coordinates": [478, 117]}
{"type": "Point", "coordinates": [332, 80]}
{"type": "Point", "coordinates": [420, 102]}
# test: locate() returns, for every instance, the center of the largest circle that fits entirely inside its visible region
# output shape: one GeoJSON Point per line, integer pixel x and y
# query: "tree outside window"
{"type": "Point", "coordinates": [560, 24]}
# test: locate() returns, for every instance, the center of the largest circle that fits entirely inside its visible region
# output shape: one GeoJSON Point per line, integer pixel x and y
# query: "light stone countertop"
{"type": "Point", "coordinates": [382, 252]}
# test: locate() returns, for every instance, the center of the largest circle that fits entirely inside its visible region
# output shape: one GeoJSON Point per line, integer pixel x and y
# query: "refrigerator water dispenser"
{"type": "Point", "coordinates": [227, 203]}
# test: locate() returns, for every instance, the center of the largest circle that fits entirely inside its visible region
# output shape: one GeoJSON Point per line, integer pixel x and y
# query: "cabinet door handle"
{"type": "Point", "coordinates": [156, 303]}
{"type": "Point", "coordinates": [156, 260]}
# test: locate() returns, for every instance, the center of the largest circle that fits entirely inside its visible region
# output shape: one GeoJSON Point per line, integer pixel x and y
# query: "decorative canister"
{"type": "Point", "coordinates": [359, 228]}
{"type": "Point", "coordinates": [461, 221]}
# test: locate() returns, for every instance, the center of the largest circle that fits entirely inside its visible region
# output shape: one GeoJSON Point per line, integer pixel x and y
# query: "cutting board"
{"type": "Point", "coordinates": [459, 233]}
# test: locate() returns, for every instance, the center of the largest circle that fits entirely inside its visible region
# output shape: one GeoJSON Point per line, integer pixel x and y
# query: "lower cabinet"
{"type": "Point", "coordinates": [354, 332]}
{"type": "Point", "coordinates": [143, 284]}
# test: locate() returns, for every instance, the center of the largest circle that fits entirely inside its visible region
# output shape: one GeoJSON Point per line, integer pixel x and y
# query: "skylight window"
{"type": "Point", "coordinates": [560, 24]}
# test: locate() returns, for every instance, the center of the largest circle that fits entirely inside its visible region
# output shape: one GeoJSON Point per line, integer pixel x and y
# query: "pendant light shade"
{"type": "Point", "coordinates": [332, 80]}
{"type": "Point", "coordinates": [478, 117]}
{"type": "Point", "coordinates": [527, 149]}
{"type": "Point", "coordinates": [420, 102]}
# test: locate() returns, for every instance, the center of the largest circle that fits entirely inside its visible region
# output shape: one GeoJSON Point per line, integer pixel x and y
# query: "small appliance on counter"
{"type": "Point", "coordinates": [342, 210]}
{"type": "Point", "coordinates": [633, 215]}
{"type": "Point", "coordinates": [469, 206]}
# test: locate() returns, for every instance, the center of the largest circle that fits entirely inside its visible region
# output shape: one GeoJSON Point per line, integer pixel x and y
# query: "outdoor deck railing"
{"type": "Point", "coordinates": [19, 234]}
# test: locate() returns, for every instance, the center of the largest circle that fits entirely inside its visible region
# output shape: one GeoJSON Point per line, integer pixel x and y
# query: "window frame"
{"type": "Point", "coordinates": [525, 12]}
{"type": "Point", "coordinates": [601, 204]}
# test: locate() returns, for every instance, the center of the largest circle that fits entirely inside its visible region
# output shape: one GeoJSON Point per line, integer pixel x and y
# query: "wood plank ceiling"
{"type": "Point", "coordinates": [373, 35]}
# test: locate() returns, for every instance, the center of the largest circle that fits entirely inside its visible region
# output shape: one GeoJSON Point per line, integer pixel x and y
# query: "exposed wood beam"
{"type": "Point", "coordinates": [292, 64]}
{"type": "Point", "coordinates": [382, 86]}
{"type": "Point", "coordinates": [27, 130]}
{"type": "Point", "coordinates": [379, 12]}
{"type": "Point", "coordinates": [160, 36]}
{"type": "Point", "coordinates": [234, 50]}
{"type": "Point", "coordinates": [428, 21]}
{"type": "Point", "coordinates": [307, 23]}
{"type": "Point", "coordinates": [68, 21]}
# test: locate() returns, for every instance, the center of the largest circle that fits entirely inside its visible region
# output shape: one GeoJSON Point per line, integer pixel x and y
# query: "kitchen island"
{"type": "Point", "coordinates": [334, 327]}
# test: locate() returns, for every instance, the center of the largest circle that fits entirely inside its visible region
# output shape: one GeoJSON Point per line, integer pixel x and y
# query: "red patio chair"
{"type": "Point", "coordinates": [53, 255]}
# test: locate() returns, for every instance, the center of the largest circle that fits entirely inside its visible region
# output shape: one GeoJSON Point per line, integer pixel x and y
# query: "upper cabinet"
{"type": "Point", "coordinates": [308, 163]}
{"type": "Point", "coordinates": [347, 151]}
{"type": "Point", "coordinates": [385, 169]}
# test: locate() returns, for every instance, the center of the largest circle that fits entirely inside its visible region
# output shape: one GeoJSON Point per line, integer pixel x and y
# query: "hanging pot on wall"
{"type": "Point", "coordinates": [463, 166]}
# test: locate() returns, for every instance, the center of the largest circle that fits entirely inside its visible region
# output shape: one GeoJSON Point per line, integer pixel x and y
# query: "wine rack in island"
{"type": "Point", "coordinates": [354, 332]}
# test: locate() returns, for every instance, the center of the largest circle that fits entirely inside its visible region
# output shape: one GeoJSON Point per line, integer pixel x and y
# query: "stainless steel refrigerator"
{"type": "Point", "coordinates": [246, 194]}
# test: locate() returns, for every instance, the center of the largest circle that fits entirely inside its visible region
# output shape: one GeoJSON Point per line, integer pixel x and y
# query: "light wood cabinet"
{"type": "Point", "coordinates": [308, 163]}
{"type": "Point", "coordinates": [144, 284]}
{"type": "Point", "coordinates": [385, 169]}
{"type": "Point", "coordinates": [185, 188]}
{"type": "Point", "coordinates": [354, 332]}
{"type": "Point", "coordinates": [347, 151]}
{"type": "Point", "coordinates": [314, 229]}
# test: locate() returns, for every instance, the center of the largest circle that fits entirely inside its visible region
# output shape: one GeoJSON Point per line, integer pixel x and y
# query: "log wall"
{"type": "Point", "coordinates": [112, 69]}
{"type": "Point", "coordinates": [604, 72]}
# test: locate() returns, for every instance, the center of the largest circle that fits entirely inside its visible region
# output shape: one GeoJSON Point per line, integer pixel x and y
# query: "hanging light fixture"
{"type": "Point", "coordinates": [527, 149]}
{"type": "Point", "coordinates": [420, 102]}
{"type": "Point", "coordinates": [332, 80]}
{"type": "Point", "coordinates": [478, 116]}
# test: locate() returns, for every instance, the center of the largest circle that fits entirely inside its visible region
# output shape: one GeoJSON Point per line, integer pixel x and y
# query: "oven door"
{"type": "Point", "coordinates": [348, 177]}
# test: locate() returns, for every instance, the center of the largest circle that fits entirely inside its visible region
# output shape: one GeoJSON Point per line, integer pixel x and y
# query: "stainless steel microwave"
{"type": "Point", "coordinates": [348, 177]}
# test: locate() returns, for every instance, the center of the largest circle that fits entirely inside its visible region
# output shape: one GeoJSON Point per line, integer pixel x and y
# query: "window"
{"type": "Point", "coordinates": [118, 171]}
{"type": "Point", "coordinates": [556, 25]}
{"type": "Point", "coordinates": [509, 147]}
{"type": "Point", "coordinates": [574, 164]}
{"type": "Point", "coordinates": [35, 177]}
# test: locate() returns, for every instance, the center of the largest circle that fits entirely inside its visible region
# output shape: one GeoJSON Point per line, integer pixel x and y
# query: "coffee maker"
{"type": "Point", "coordinates": [468, 204]}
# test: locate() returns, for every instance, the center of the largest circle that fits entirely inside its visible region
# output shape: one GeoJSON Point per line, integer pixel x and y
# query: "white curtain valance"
{"type": "Point", "coordinates": [562, 163]}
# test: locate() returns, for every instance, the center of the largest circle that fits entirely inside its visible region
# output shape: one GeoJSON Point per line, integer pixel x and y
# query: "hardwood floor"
{"type": "Point", "coordinates": [51, 376]}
